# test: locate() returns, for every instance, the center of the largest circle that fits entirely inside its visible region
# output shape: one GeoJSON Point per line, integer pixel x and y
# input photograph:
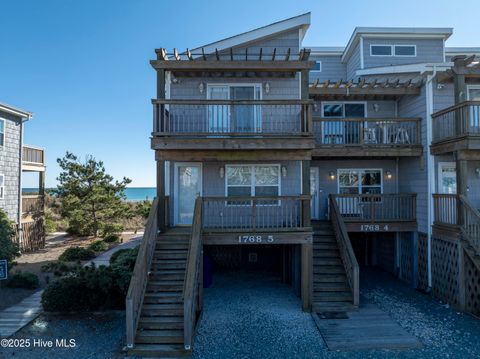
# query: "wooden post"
{"type": "Point", "coordinates": [415, 259]}
{"type": "Point", "coordinates": [161, 195]}
{"type": "Point", "coordinates": [462, 186]}
{"type": "Point", "coordinates": [307, 282]}
{"type": "Point", "coordinates": [461, 276]}
{"type": "Point", "coordinates": [160, 84]}
{"type": "Point", "coordinates": [41, 183]}
{"type": "Point", "coordinates": [306, 191]}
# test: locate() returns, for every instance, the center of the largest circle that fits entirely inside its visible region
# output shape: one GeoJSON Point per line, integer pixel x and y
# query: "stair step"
{"type": "Point", "coordinates": [174, 336]}
{"type": "Point", "coordinates": [328, 307]}
{"type": "Point", "coordinates": [162, 255]}
{"type": "Point", "coordinates": [321, 269]}
{"type": "Point", "coordinates": [329, 278]}
{"type": "Point", "coordinates": [167, 286]}
{"type": "Point", "coordinates": [162, 275]}
{"type": "Point", "coordinates": [332, 297]}
{"type": "Point", "coordinates": [163, 297]}
{"type": "Point", "coordinates": [162, 264]}
{"type": "Point", "coordinates": [331, 287]}
{"type": "Point", "coordinates": [333, 261]}
{"type": "Point", "coordinates": [318, 247]}
{"type": "Point", "coordinates": [171, 322]}
{"type": "Point", "coordinates": [159, 350]}
{"type": "Point", "coordinates": [162, 309]}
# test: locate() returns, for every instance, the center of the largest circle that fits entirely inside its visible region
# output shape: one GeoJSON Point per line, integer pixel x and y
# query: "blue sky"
{"type": "Point", "coordinates": [82, 66]}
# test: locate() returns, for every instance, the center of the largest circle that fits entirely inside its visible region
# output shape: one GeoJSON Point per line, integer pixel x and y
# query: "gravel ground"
{"type": "Point", "coordinates": [96, 336]}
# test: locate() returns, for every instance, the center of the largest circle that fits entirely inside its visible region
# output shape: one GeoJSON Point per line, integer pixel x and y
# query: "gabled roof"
{"type": "Point", "coordinates": [394, 32]}
{"type": "Point", "coordinates": [15, 111]}
{"type": "Point", "coordinates": [297, 22]}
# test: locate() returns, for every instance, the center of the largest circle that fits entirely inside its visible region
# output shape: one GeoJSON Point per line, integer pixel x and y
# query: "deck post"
{"type": "Point", "coordinates": [462, 186]}
{"type": "Point", "coordinates": [161, 194]}
{"type": "Point", "coordinates": [307, 268]}
{"type": "Point", "coordinates": [306, 191]}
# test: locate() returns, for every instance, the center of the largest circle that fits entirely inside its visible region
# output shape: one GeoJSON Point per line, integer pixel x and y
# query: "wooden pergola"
{"type": "Point", "coordinates": [232, 63]}
{"type": "Point", "coordinates": [375, 89]}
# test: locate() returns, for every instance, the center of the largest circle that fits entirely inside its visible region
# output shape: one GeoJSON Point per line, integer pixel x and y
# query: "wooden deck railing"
{"type": "Point", "coordinates": [398, 132]}
{"type": "Point", "coordinates": [384, 207]}
{"type": "Point", "coordinates": [471, 223]}
{"type": "Point", "coordinates": [346, 251]}
{"type": "Point", "coordinates": [445, 209]}
{"type": "Point", "coordinates": [33, 155]}
{"type": "Point", "coordinates": [138, 283]}
{"type": "Point", "coordinates": [33, 203]}
{"type": "Point", "coordinates": [456, 121]}
{"type": "Point", "coordinates": [279, 213]}
{"type": "Point", "coordinates": [232, 117]}
{"type": "Point", "coordinates": [192, 291]}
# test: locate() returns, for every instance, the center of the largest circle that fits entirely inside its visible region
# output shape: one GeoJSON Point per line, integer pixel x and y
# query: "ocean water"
{"type": "Point", "coordinates": [132, 193]}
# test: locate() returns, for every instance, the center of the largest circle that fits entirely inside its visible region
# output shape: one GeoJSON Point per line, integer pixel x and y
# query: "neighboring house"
{"type": "Point", "coordinates": [26, 211]}
{"type": "Point", "coordinates": [310, 161]}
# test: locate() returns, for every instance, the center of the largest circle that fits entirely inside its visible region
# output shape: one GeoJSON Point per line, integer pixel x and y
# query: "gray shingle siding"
{"type": "Point", "coordinates": [428, 50]}
{"type": "Point", "coordinates": [9, 164]}
{"type": "Point", "coordinates": [332, 69]}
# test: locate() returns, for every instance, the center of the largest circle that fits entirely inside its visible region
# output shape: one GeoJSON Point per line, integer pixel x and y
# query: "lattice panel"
{"type": "Point", "coordinates": [472, 286]}
{"type": "Point", "coordinates": [445, 284]}
{"type": "Point", "coordinates": [422, 275]}
{"type": "Point", "coordinates": [406, 258]}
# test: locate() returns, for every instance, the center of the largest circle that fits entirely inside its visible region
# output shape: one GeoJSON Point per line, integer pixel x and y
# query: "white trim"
{"type": "Point", "coordinates": [15, 111]}
{"type": "Point", "coordinates": [404, 69]}
{"type": "Point", "coordinates": [441, 165]}
{"type": "Point", "coordinates": [175, 186]}
{"type": "Point", "coordinates": [471, 87]}
{"type": "Point", "coordinates": [381, 45]}
{"type": "Point", "coordinates": [362, 60]}
{"type": "Point", "coordinates": [359, 179]}
{"type": "Point", "coordinates": [2, 187]}
{"type": "Point", "coordinates": [300, 21]}
{"type": "Point", "coordinates": [317, 71]}
{"type": "Point", "coordinates": [2, 145]}
{"type": "Point", "coordinates": [462, 51]}
{"type": "Point", "coordinates": [325, 50]}
{"type": "Point", "coordinates": [253, 184]}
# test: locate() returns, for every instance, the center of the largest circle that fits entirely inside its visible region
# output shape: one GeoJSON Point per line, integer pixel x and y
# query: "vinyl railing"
{"type": "Point", "coordinates": [277, 213]}
{"type": "Point", "coordinates": [138, 283]}
{"type": "Point", "coordinates": [232, 117]}
{"type": "Point", "coordinates": [401, 132]}
{"type": "Point", "coordinates": [346, 251]}
{"type": "Point", "coordinates": [382, 207]}
{"type": "Point", "coordinates": [456, 121]}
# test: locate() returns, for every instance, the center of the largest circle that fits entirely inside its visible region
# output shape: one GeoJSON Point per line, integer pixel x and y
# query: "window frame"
{"type": "Point", "coordinates": [252, 183]}
{"type": "Point", "coordinates": [323, 103]}
{"type": "Point", "coordinates": [2, 187]}
{"type": "Point", "coordinates": [384, 45]}
{"type": "Point", "coordinates": [405, 45]}
{"type": "Point", "coordinates": [317, 62]}
{"type": "Point", "coordinates": [360, 171]}
{"type": "Point", "coordinates": [3, 134]}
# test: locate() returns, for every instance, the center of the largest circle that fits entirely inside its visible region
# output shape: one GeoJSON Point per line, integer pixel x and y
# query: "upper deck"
{"type": "Point", "coordinates": [33, 159]}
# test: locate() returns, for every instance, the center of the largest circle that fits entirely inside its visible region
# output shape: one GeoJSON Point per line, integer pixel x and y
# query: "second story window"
{"type": "Point", "coordinates": [405, 50]}
{"type": "Point", "coordinates": [393, 50]}
{"type": "Point", "coordinates": [318, 67]}
{"type": "Point", "coordinates": [381, 50]}
{"type": "Point", "coordinates": [2, 132]}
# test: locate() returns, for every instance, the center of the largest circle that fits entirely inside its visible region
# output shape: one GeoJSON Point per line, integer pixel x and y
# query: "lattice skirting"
{"type": "Point", "coordinates": [472, 285]}
{"type": "Point", "coordinates": [422, 271]}
{"type": "Point", "coordinates": [406, 257]}
{"type": "Point", "coordinates": [33, 236]}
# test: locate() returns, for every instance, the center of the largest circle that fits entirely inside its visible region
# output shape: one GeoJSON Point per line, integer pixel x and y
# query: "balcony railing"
{"type": "Point", "coordinates": [384, 207]}
{"type": "Point", "coordinates": [33, 155]}
{"type": "Point", "coordinates": [457, 121]}
{"type": "Point", "coordinates": [445, 208]}
{"type": "Point", "coordinates": [232, 118]}
{"type": "Point", "coordinates": [280, 213]}
{"type": "Point", "coordinates": [32, 204]}
{"type": "Point", "coordinates": [398, 132]}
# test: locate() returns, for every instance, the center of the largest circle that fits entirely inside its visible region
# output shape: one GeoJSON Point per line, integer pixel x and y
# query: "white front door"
{"type": "Point", "coordinates": [314, 192]}
{"type": "Point", "coordinates": [447, 178]}
{"type": "Point", "coordinates": [188, 186]}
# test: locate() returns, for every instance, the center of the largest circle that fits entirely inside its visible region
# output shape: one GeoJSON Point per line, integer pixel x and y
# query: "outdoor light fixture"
{"type": "Point", "coordinates": [221, 172]}
{"type": "Point", "coordinates": [331, 175]}
{"type": "Point", "coordinates": [201, 87]}
{"type": "Point", "coordinates": [315, 107]}
{"type": "Point", "coordinates": [284, 171]}
{"type": "Point", "coordinates": [376, 107]}
{"type": "Point", "coordinates": [388, 174]}
{"type": "Point", "coordinates": [267, 87]}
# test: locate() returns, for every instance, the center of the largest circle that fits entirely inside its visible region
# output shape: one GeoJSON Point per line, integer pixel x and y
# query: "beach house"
{"type": "Point", "coordinates": [313, 162]}
{"type": "Point", "coordinates": [25, 210]}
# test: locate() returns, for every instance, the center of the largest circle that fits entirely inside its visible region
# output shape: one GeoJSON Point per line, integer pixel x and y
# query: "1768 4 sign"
{"type": "Point", "coordinates": [3, 269]}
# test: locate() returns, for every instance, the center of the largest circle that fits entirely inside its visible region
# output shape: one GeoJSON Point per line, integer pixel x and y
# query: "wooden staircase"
{"type": "Point", "coordinates": [331, 290]}
{"type": "Point", "coordinates": [160, 331]}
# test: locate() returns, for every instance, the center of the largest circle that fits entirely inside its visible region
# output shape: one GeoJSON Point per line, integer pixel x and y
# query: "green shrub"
{"type": "Point", "coordinates": [8, 247]}
{"type": "Point", "coordinates": [98, 246]}
{"type": "Point", "coordinates": [59, 268]}
{"type": "Point", "coordinates": [25, 280]}
{"type": "Point", "coordinates": [111, 228]}
{"type": "Point", "coordinates": [73, 254]}
{"type": "Point", "coordinates": [122, 263]}
{"type": "Point", "coordinates": [111, 238]}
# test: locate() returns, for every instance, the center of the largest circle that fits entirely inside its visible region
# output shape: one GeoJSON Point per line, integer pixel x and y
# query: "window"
{"type": "Point", "coordinates": [2, 186]}
{"type": "Point", "coordinates": [344, 110]}
{"type": "Point", "coordinates": [405, 50]}
{"type": "Point", "coordinates": [447, 177]}
{"type": "Point", "coordinates": [257, 180]}
{"type": "Point", "coordinates": [393, 50]}
{"type": "Point", "coordinates": [341, 132]}
{"type": "Point", "coordinates": [381, 50]}
{"type": "Point", "coordinates": [317, 67]}
{"type": "Point", "coordinates": [2, 132]}
{"type": "Point", "coordinates": [360, 181]}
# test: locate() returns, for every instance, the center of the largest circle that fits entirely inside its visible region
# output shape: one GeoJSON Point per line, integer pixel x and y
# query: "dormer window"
{"type": "Point", "coordinates": [405, 50]}
{"type": "Point", "coordinates": [381, 50]}
{"type": "Point", "coordinates": [393, 50]}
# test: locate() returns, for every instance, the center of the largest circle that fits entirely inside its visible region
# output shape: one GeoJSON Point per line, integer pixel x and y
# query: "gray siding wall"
{"type": "Point", "coordinates": [473, 183]}
{"type": "Point", "coordinates": [9, 165]}
{"type": "Point", "coordinates": [428, 50]}
{"type": "Point", "coordinates": [413, 174]}
{"type": "Point", "coordinates": [353, 63]}
{"type": "Point", "coordinates": [328, 186]}
{"type": "Point", "coordinates": [332, 69]}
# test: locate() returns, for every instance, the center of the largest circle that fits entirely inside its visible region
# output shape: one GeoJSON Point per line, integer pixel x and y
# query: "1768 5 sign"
{"type": "Point", "coordinates": [255, 239]}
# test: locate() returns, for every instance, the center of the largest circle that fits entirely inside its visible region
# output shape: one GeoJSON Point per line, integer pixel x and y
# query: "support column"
{"type": "Point", "coordinates": [306, 192]}
{"type": "Point", "coordinates": [161, 195]}
{"type": "Point", "coordinates": [415, 259]}
{"type": "Point", "coordinates": [462, 185]}
{"type": "Point", "coordinates": [307, 277]}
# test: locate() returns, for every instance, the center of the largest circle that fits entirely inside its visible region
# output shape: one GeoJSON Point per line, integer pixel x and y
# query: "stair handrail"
{"type": "Point", "coordinates": [471, 223]}
{"type": "Point", "coordinates": [139, 280]}
{"type": "Point", "coordinates": [346, 251]}
{"type": "Point", "coordinates": [191, 283]}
